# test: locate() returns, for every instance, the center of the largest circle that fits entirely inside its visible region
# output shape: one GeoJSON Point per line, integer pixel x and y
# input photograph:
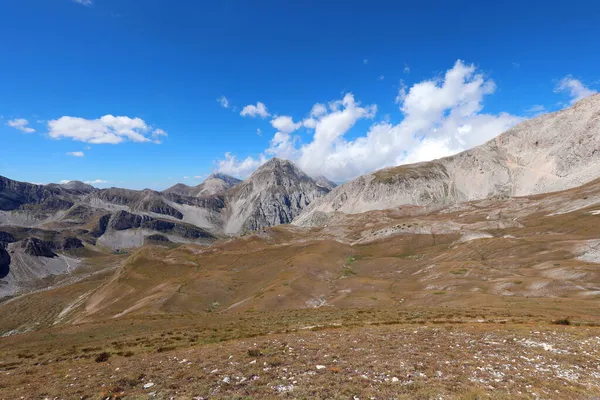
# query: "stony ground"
{"type": "Point", "coordinates": [396, 361]}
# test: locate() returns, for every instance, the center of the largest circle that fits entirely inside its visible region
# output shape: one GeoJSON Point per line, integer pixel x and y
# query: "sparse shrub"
{"type": "Point", "coordinates": [254, 353]}
{"type": "Point", "coordinates": [165, 348]}
{"type": "Point", "coordinates": [128, 354]}
{"type": "Point", "coordinates": [102, 357]}
{"type": "Point", "coordinates": [562, 321]}
{"type": "Point", "coordinates": [275, 362]}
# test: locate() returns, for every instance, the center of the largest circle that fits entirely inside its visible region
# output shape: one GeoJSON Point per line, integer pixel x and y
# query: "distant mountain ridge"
{"type": "Point", "coordinates": [553, 152]}
{"type": "Point", "coordinates": [214, 184]}
{"type": "Point", "coordinates": [42, 225]}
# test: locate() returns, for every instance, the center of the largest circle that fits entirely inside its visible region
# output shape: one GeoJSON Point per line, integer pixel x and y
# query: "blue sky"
{"type": "Point", "coordinates": [131, 92]}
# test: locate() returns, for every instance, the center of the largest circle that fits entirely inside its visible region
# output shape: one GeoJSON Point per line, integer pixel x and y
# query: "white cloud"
{"type": "Point", "coordinates": [106, 129]}
{"type": "Point", "coordinates": [577, 90]}
{"type": "Point", "coordinates": [84, 2]}
{"type": "Point", "coordinates": [365, 61]}
{"type": "Point", "coordinates": [223, 102]}
{"type": "Point", "coordinates": [441, 116]}
{"type": "Point", "coordinates": [406, 69]}
{"type": "Point", "coordinates": [239, 168]}
{"type": "Point", "coordinates": [76, 153]}
{"type": "Point", "coordinates": [95, 182]}
{"type": "Point", "coordinates": [64, 181]}
{"type": "Point", "coordinates": [382, 77]}
{"type": "Point", "coordinates": [285, 124]}
{"type": "Point", "coordinates": [251, 110]}
{"type": "Point", "coordinates": [157, 134]}
{"type": "Point", "coordinates": [20, 124]}
{"type": "Point", "coordinates": [258, 131]}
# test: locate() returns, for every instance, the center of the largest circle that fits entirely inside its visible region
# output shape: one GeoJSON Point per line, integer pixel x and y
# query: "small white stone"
{"type": "Point", "coordinates": [394, 379]}
{"type": "Point", "coordinates": [148, 385]}
{"type": "Point", "coordinates": [321, 367]}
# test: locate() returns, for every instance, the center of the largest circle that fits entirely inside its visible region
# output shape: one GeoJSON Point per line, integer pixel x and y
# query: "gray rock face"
{"type": "Point", "coordinates": [5, 239]}
{"type": "Point", "coordinates": [38, 248]}
{"type": "Point", "coordinates": [122, 220]}
{"type": "Point", "coordinates": [4, 263]}
{"type": "Point", "coordinates": [553, 152]}
{"type": "Point", "coordinates": [325, 183]}
{"type": "Point", "coordinates": [158, 238]}
{"type": "Point", "coordinates": [71, 243]}
{"type": "Point", "coordinates": [275, 194]}
{"type": "Point", "coordinates": [14, 194]}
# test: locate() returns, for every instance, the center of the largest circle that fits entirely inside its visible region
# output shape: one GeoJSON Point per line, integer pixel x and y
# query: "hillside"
{"type": "Point", "coordinates": [549, 153]}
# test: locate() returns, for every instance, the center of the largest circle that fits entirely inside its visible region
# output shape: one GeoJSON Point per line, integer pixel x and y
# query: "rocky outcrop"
{"type": "Point", "coordinates": [71, 243]}
{"type": "Point", "coordinates": [37, 247]}
{"type": "Point", "coordinates": [324, 182]}
{"type": "Point", "coordinates": [6, 238]}
{"type": "Point", "coordinates": [101, 225]}
{"type": "Point", "coordinates": [14, 194]}
{"type": "Point", "coordinates": [274, 194]}
{"type": "Point", "coordinates": [124, 220]}
{"type": "Point", "coordinates": [553, 152]}
{"type": "Point", "coordinates": [158, 206]}
{"type": "Point", "coordinates": [158, 238]}
{"type": "Point", "coordinates": [4, 263]}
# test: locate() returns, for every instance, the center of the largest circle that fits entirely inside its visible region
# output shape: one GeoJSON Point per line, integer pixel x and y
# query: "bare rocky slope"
{"type": "Point", "coordinates": [549, 153]}
{"type": "Point", "coordinates": [275, 194]}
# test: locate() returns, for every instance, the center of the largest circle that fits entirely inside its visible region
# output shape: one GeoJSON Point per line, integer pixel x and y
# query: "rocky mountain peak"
{"type": "Point", "coordinates": [324, 182]}
{"type": "Point", "coordinates": [223, 177]}
{"type": "Point", "coordinates": [274, 194]}
{"type": "Point", "coordinates": [78, 186]}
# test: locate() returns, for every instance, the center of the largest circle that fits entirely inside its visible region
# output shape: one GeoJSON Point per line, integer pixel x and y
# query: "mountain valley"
{"type": "Point", "coordinates": [479, 272]}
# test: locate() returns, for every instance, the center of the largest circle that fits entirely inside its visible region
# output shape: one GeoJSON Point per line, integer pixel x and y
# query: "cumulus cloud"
{"type": "Point", "coordinates": [20, 124]}
{"type": "Point", "coordinates": [440, 117]}
{"type": "Point", "coordinates": [240, 168]}
{"type": "Point", "coordinates": [285, 124]}
{"type": "Point", "coordinates": [76, 153]}
{"type": "Point", "coordinates": [84, 2]}
{"type": "Point", "coordinates": [406, 69]}
{"type": "Point", "coordinates": [106, 129]}
{"type": "Point", "coordinates": [258, 110]}
{"type": "Point", "coordinates": [576, 89]}
{"type": "Point", "coordinates": [64, 181]}
{"type": "Point", "coordinates": [96, 182]}
{"type": "Point", "coordinates": [223, 102]}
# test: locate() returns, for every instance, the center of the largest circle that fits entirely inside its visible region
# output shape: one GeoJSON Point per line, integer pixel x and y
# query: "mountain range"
{"type": "Point", "coordinates": [44, 229]}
